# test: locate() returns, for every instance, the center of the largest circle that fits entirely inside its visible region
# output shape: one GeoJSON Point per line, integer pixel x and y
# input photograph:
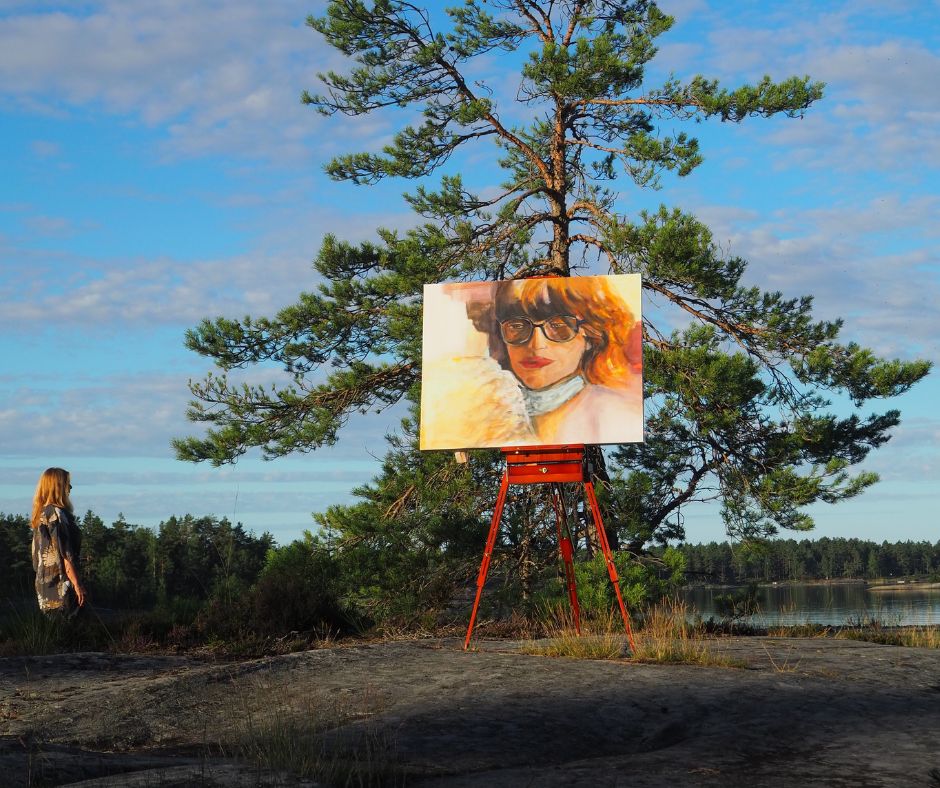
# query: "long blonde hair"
{"type": "Point", "coordinates": [53, 489]}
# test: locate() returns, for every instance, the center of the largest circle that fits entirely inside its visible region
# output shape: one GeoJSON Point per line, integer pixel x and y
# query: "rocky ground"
{"type": "Point", "coordinates": [425, 713]}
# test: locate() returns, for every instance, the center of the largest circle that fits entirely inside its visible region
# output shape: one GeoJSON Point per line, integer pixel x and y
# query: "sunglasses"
{"type": "Point", "coordinates": [519, 330]}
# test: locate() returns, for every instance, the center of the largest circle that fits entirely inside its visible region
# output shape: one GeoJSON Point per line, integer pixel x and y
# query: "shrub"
{"type": "Point", "coordinates": [298, 591]}
{"type": "Point", "coordinates": [642, 582]}
{"type": "Point", "coordinates": [738, 604]}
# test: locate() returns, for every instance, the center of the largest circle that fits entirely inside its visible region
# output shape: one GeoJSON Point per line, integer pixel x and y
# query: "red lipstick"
{"type": "Point", "coordinates": [535, 362]}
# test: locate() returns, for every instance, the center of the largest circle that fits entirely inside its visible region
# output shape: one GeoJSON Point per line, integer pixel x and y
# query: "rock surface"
{"type": "Point", "coordinates": [802, 712]}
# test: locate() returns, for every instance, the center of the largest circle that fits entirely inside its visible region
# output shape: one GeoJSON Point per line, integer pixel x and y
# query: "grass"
{"type": "Point", "coordinates": [667, 636]}
{"type": "Point", "coordinates": [27, 632]}
{"type": "Point", "coordinates": [24, 631]}
{"type": "Point", "coordinates": [912, 637]}
{"type": "Point", "coordinates": [334, 742]}
{"type": "Point", "coordinates": [868, 627]}
{"type": "Point", "coordinates": [602, 637]}
{"type": "Point", "coordinates": [783, 665]}
{"type": "Point", "coordinates": [664, 636]}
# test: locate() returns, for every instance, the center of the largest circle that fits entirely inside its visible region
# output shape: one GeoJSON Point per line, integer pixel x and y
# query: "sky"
{"type": "Point", "coordinates": [157, 167]}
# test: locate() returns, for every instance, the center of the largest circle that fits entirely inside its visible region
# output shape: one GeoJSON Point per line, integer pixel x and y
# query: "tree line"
{"type": "Point", "coordinates": [190, 580]}
{"type": "Point", "coordinates": [132, 566]}
{"type": "Point", "coordinates": [206, 571]}
{"type": "Point", "coordinates": [199, 560]}
{"type": "Point", "coordinates": [819, 559]}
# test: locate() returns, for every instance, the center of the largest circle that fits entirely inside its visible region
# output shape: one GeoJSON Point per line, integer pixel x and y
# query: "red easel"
{"type": "Point", "coordinates": [551, 465]}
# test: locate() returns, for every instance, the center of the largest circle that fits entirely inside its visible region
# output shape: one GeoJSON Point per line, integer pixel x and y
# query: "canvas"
{"type": "Point", "coordinates": [532, 362]}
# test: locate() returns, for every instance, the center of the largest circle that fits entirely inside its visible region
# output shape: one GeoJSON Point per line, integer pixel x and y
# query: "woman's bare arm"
{"type": "Point", "coordinates": [73, 577]}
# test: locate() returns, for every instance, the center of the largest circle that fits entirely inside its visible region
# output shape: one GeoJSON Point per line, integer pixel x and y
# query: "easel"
{"type": "Point", "coordinates": [552, 465]}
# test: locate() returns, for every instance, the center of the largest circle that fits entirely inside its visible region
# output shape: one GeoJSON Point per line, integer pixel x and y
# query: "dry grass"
{"type": "Point", "coordinates": [782, 663]}
{"type": "Point", "coordinates": [913, 637]}
{"type": "Point", "coordinates": [870, 627]}
{"type": "Point", "coordinates": [601, 637]}
{"type": "Point", "coordinates": [333, 741]}
{"type": "Point", "coordinates": [665, 636]}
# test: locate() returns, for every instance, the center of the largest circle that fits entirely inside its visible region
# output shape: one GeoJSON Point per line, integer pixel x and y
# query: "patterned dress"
{"type": "Point", "coordinates": [55, 539]}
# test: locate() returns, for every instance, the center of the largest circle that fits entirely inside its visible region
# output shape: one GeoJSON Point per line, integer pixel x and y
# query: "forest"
{"type": "Point", "coordinates": [206, 578]}
{"type": "Point", "coordinates": [216, 579]}
{"type": "Point", "coordinates": [807, 560]}
{"type": "Point", "coordinates": [130, 566]}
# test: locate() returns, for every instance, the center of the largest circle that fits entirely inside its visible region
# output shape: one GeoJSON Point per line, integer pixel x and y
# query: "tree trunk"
{"type": "Point", "coordinates": [600, 477]}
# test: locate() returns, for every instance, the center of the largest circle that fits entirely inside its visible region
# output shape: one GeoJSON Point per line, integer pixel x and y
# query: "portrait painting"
{"type": "Point", "coordinates": [532, 362]}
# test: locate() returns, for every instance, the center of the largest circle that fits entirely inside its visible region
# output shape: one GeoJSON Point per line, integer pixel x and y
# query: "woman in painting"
{"type": "Point", "coordinates": [576, 351]}
{"type": "Point", "coordinates": [56, 546]}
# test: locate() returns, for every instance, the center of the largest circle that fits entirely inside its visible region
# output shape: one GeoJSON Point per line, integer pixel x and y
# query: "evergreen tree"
{"type": "Point", "coordinates": [196, 556]}
{"type": "Point", "coordinates": [16, 570]}
{"type": "Point", "coordinates": [736, 402]}
{"type": "Point", "coordinates": [416, 530]}
{"type": "Point", "coordinates": [118, 563]}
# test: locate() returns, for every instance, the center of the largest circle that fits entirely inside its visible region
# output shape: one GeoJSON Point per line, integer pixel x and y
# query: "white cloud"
{"type": "Point", "coordinates": [113, 433]}
{"type": "Point", "coordinates": [225, 76]}
{"type": "Point", "coordinates": [909, 458]}
{"type": "Point", "coordinates": [127, 416]}
{"type": "Point", "coordinates": [682, 9]}
{"type": "Point", "coordinates": [874, 264]}
{"type": "Point", "coordinates": [882, 82]}
{"type": "Point", "coordinates": [43, 149]}
{"type": "Point", "coordinates": [64, 288]}
{"type": "Point", "coordinates": [876, 114]}
{"type": "Point", "coordinates": [135, 415]}
{"type": "Point", "coordinates": [50, 226]}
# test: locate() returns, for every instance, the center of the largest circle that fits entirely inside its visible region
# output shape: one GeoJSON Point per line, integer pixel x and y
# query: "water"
{"type": "Point", "coordinates": [831, 605]}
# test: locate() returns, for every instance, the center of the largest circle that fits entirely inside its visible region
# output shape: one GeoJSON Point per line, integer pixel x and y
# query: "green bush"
{"type": "Point", "coordinates": [642, 582]}
{"type": "Point", "coordinates": [16, 570]}
{"type": "Point", "coordinates": [29, 632]}
{"type": "Point", "coordinates": [738, 604]}
{"type": "Point", "coordinates": [298, 591]}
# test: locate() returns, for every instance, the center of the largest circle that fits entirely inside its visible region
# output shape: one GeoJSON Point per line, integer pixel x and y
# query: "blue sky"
{"type": "Point", "coordinates": [157, 167]}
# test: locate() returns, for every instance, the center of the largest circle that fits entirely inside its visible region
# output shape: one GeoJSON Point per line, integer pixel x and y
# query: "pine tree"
{"type": "Point", "coordinates": [736, 402]}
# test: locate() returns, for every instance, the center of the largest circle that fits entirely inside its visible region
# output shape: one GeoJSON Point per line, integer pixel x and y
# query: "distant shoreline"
{"type": "Point", "coordinates": [893, 585]}
{"type": "Point", "coordinates": [903, 585]}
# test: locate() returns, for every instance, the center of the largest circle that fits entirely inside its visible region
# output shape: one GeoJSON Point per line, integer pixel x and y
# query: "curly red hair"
{"type": "Point", "coordinates": [615, 354]}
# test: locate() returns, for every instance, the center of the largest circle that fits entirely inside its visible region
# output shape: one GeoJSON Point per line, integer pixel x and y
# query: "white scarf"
{"type": "Point", "coordinates": [541, 401]}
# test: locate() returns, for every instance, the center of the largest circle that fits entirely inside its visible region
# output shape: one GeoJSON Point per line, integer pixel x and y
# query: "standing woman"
{"type": "Point", "coordinates": [56, 546]}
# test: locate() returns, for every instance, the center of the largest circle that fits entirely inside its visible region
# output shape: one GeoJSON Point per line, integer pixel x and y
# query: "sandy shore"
{"type": "Point", "coordinates": [802, 712]}
{"type": "Point", "coordinates": [903, 587]}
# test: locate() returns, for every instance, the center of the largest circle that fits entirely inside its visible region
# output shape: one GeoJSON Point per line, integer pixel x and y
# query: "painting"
{"type": "Point", "coordinates": [532, 362]}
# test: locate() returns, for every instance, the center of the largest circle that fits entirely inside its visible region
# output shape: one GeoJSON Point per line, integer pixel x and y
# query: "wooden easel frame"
{"type": "Point", "coordinates": [553, 465]}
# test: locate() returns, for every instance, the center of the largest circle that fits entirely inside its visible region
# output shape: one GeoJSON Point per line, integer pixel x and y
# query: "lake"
{"type": "Point", "coordinates": [832, 605]}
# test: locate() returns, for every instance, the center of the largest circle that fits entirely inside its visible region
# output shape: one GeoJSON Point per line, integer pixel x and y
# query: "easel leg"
{"type": "Point", "coordinates": [608, 556]}
{"type": "Point", "coordinates": [567, 555]}
{"type": "Point", "coordinates": [488, 553]}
